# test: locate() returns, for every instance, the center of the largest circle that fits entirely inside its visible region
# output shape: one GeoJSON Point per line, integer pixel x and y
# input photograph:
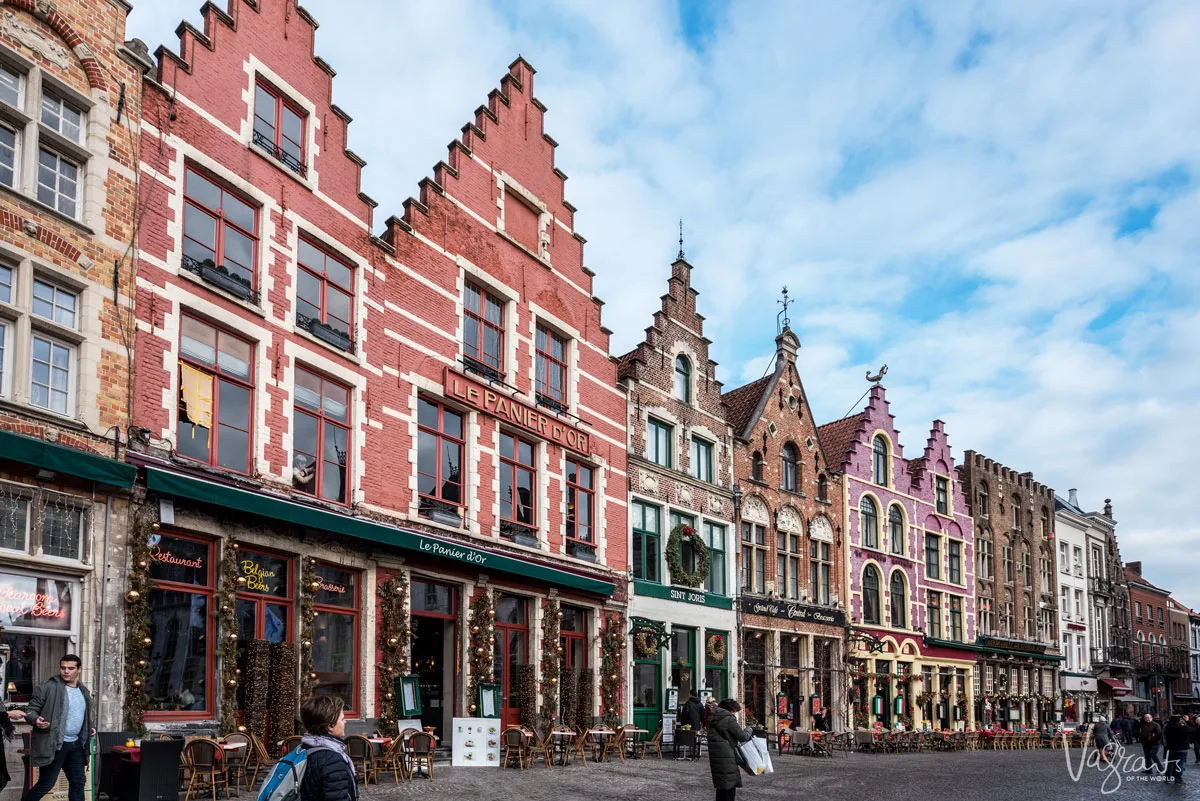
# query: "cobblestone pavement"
{"type": "Point", "coordinates": [973, 776]}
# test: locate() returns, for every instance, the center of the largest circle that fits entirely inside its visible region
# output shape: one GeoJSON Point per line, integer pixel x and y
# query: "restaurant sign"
{"type": "Point", "coordinates": [791, 611]}
{"type": "Point", "coordinates": [687, 595]}
{"type": "Point", "coordinates": [514, 412]}
{"type": "Point", "coordinates": [36, 604]}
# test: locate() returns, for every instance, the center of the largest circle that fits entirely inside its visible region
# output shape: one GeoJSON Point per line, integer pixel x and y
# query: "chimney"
{"type": "Point", "coordinates": [1108, 507]}
{"type": "Point", "coordinates": [1073, 498]}
{"type": "Point", "coordinates": [1135, 567]}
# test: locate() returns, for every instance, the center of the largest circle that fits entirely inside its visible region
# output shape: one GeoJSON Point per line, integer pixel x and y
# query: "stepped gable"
{"type": "Point", "coordinates": [838, 437]}
{"type": "Point", "coordinates": [199, 72]}
{"type": "Point", "coordinates": [744, 401]}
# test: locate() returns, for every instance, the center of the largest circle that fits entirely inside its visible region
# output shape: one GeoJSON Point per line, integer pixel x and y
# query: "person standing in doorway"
{"type": "Point", "coordinates": [1150, 736]}
{"type": "Point", "coordinates": [724, 737]}
{"type": "Point", "coordinates": [63, 716]}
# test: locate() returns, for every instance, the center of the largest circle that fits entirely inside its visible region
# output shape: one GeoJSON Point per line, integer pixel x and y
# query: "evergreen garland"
{"type": "Point", "coordinates": [551, 662]}
{"type": "Point", "coordinates": [679, 576]}
{"type": "Point", "coordinates": [585, 694]}
{"type": "Point", "coordinates": [227, 637]}
{"type": "Point", "coordinates": [569, 696]}
{"type": "Point", "coordinates": [310, 585]}
{"type": "Point", "coordinates": [527, 696]}
{"type": "Point", "coordinates": [482, 627]}
{"type": "Point", "coordinates": [612, 649]}
{"type": "Point", "coordinates": [395, 639]}
{"type": "Point", "coordinates": [137, 622]}
{"type": "Point", "coordinates": [281, 690]}
{"type": "Point", "coordinates": [254, 694]}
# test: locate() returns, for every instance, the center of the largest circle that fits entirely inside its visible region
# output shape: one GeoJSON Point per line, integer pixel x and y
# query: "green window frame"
{"type": "Point", "coordinates": [647, 542]}
{"type": "Point", "coordinates": [714, 536]}
{"type": "Point", "coordinates": [658, 441]}
{"type": "Point", "coordinates": [687, 554]}
{"type": "Point", "coordinates": [716, 674]}
{"type": "Point", "coordinates": [702, 461]}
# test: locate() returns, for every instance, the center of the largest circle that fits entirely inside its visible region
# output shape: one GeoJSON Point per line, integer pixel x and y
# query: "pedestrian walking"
{"type": "Point", "coordinates": [1150, 736]}
{"type": "Point", "coordinates": [1115, 728]}
{"type": "Point", "coordinates": [1176, 738]}
{"type": "Point", "coordinates": [1102, 737]}
{"type": "Point", "coordinates": [691, 714]}
{"type": "Point", "coordinates": [62, 713]}
{"type": "Point", "coordinates": [724, 737]}
{"type": "Point", "coordinates": [1127, 727]}
{"type": "Point", "coordinates": [329, 773]}
{"type": "Point", "coordinates": [1194, 734]}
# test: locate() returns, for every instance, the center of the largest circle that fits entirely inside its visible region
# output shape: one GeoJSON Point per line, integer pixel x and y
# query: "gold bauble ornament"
{"type": "Point", "coordinates": [233, 635]}
{"type": "Point", "coordinates": [231, 683]}
{"type": "Point", "coordinates": [238, 671]}
{"type": "Point", "coordinates": [560, 649]}
{"type": "Point", "coordinates": [315, 586]}
{"type": "Point", "coordinates": [559, 616]}
{"type": "Point", "coordinates": [146, 641]}
{"type": "Point", "coordinates": [491, 613]}
{"type": "Point", "coordinates": [312, 676]}
{"type": "Point", "coordinates": [306, 644]}
{"type": "Point", "coordinates": [241, 728]}
{"type": "Point", "coordinates": [235, 546]}
{"type": "Point", "coordinates": [241, 581]}
{"type": "Point", "coordinates": [137, 682]}
{"type": "Point", "coordinates": [154, 526]}
{"type": "Point", "coordinates": [141, 663]}
{"type": "Point", "coordinates": [143, 564]}
{"type": "Point", "coordinates": [389, 696]}
{"type": "Point", "coordinates": [133, 596]}
{"type": "Point", "coordinates": [553, 680]}
{"type": "Point", "coordinates": [479, 651]}
{"type": "Point", "coordinates": [393, 642]}
{"type": "Point", "coordinates": [474, 629]}
{"type": "Point", "coordinates": [472, 707]}
{"type": "Point", "coordinates": [612, 677]}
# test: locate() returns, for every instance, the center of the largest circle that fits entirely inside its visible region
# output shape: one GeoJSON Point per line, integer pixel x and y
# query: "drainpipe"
{"type": "Point", "coordinates": [103, 608]}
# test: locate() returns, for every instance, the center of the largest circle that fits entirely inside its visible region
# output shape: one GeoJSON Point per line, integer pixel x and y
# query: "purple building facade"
{"type": "Point", "coordinates": [911, 576]}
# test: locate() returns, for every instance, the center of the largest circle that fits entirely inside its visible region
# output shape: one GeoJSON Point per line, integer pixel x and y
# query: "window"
{"type": "Point", "coordinates": [986, 616]}
{"type": "Point", "coordinates": [1047, 528]}
{"type": "Point", "coordinates": [1137, 605]}
{"type": "Point", "coordinates": [1016, 513]}
{"type": "Point", "coordinates": [701, 461]}
{"type": "Point", "coordinates": [787, 564]}
{"type": "Point", "coordinates": [984, 500]}
{"type": "Point", "coordinates": [58, 182]}
{"type": "Point", "coordinates": [880, 462]}
{"type": "Point", "coordinates": [943, 495]}
{"type": "Point", "coordinates": [871, 596]}
{"type": "Point", "coordinates": [551, 367]}
{"type": "Point", "coordinates": [324, 295]}
{"type": "Point", "coordinates": [819, 566]}
{"type": "Point", "coordinates": [683, 379]}
{"type": "Point", "coordinates": [899, 601]}
{"type": "Point", "coordinates": [933, 614]}
{"type": "Point", "coordinates": [581, 508]}
{"type": "Point", "coordinates": [321, 437]}
{"type": "Point", "coordinates": [1026, 567]}
{"type": "Point", "coordinates": [1006, 614]}
{"type": "Point", "coordinates": [933, 556]}
{"type": "Point", "coordinates": [790, 467]}
{"type": "Point", "coordinates": [335, 634]}
{"type": "Point", "coordinates": [716, 672]}
{"type": "Point", "coordinates": [647, 548]}
{"type": "Point", "coordinates": [265, 604]}
{"type": "Point", "coordinates": [1079, 604]}
{"type": "Point", "coordinates": [714, 535]}
{"type": "Point", "coordinates": [1077, 560]}
{"type": "Point", "coordinates": [756, 466]}
{"type": "Point", "coordinates": [1006, 556]}
{"type": "Point", "coordinates": [483, 331]}
{"type": "Point", "coordinates": [658, 442]}
{"type": "Point", "coordinates": [518, 475]}
{"type": "Point", "coordinates": [1064, 601]}
{"type": "Point", "coordinates": [1027, 615]}
{"type": "Point", "coordinates": [822, 488]}
{"type": "Point", "coordinates": [182, 626]}
{"type": "Point", "coordinates": [896, 529]}
{"type": "Point", "coordinates": [8, 155]}
{"type": "Point", "coordinates": [216, 394]}
{"type": "Point", "coordinates": [54, 303]}
{"type": "Point", "coordinates": [986, 559]}
{"type": "Point", "coordinates": [51, 364]}
{"type": "Point", "coordinates": [954, 551]}
{"type": "Point", "coordinates": [868, 523]}
{"type": "Point", "coordinates": [572, 637]}
{"type": "Point", "coordinates": [1160, 617]}
{"type": "Point", "coordinates": [279, 127]}
{"type": "Point", "coordinates": [61, 117]}
{"type": "Point", "coordinates": [1064, 562]}
{"type": "Point", "coordinates": [1044, 569]}
{"type": "Point", "coordinates": [439, 461]}
{"type": "Point", "coordinates": [754, 558]}
{"type": "Point", "coordinates": [10, 86]}
{"type": "Point", "coordinates": [220, 235]}
{"type": "Point", "coordinates": [687, 553]}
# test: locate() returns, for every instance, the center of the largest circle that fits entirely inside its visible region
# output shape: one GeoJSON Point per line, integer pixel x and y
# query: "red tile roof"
{"type": "Point", "coordinates": [743, 401]}
{"type": "Point", "coordinates": [837, 437]}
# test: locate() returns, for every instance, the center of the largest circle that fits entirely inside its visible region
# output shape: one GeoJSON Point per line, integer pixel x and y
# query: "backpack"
{"type": "Point", "coordinates": [285, 779]}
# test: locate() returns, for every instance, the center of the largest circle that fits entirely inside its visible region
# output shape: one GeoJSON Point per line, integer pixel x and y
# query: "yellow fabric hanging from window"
{"type": "Point", "coordinates": [197, 389]}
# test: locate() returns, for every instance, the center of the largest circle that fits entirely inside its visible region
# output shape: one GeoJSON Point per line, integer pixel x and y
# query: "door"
{"type": "Point", "coordinates": [264, 603]}
{"type": "Point", "coordinates": [647, 693]}
{"type": "Point", "coordinates": [511, 644]}
{"type": "Point", "coordinates": [434, 650]}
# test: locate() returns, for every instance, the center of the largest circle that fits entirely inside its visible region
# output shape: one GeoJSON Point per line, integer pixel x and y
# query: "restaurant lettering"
{"type": "Point", "coordinates": [688, 596]}
{"type": "Point", "coordinates": [168, 558]}
{"type": "Point", "coordinates": [340, 589]}
{"type": "Point", "coordinates": [16, 603]}
{"type": "Point", "coordinates": [791, 611]}
{"type": "Point", "coordinates": [451, 552]}
{"type": "Point", "coordinates": [472, 393]}
{"type": "Point", "coordinates": [35, 603]}
{"type": "Point", "coordinates": [256, 576]}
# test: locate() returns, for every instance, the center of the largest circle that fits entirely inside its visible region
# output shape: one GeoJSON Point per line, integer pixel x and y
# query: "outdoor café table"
{"type": "Point", "coordinates": [636, 736]}
{"type": "Point", "coordinates": [562, 741]}
{"type": "Point", "coordinates": [380, 744]}
{"type": "Point", "coordinates": [599, 735]}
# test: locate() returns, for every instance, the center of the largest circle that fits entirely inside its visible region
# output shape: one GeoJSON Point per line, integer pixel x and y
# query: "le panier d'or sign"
{"type": "Point", "coordinates": [514, 412]}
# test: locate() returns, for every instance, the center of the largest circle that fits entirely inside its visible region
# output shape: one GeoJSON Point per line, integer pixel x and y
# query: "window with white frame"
{"type": "Point", "coordinates": [58, 182]}
{"type": "Point", "coordinates": [50, 374]}
{"type": "Point", "coordinates": [41, 523]}
{"type": "Point", "coordinates": [62, 117]}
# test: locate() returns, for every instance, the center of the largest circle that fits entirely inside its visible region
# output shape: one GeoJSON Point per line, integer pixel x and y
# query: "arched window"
{"type": "Point", "coordinates": [899, 602]}
{"type": "Point", "coordinates": [868, 521]}
{"type": "Point", "coordinates": [790, 467]}
{"type": "Point", "coordinates": [822, 488]}
{"type": "Point", "coordinates": [984, 499]}
{"type": "Point", "coordinates": [896, 529]}
{"type": "Point", "coordinates": [756, 466]}
{"type": "Point", "coordinates": [871, 595]}
{"type": "Point", "coordinates": [683, 379]}
{"type": "Point", "coordinates": [880, 464]}
{"type": "Point", "coordinates": [1045, 523]}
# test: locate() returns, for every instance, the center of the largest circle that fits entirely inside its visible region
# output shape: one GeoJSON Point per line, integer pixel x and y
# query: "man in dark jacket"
{"type": "Point", "coordinates": [724, 737]}
{"type": "Point", "coordinates": [329, 773]}
{"type": "Point", "coordinates": [1150, 736]}
{"type": "Point", "coordinates": [1176, 739]}
{"type": "Point", "coordinates": [1194, 734]}
{"type": "Point", "coordinates": [691, 713]}
{"type": "Point", "coordinates": [62, 714]}
{"type": "Point", "coordinates": [1128, 725]}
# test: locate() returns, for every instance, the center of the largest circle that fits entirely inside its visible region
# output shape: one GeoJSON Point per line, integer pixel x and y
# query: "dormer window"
{"type": "Point", "coordinates": [279, 127]}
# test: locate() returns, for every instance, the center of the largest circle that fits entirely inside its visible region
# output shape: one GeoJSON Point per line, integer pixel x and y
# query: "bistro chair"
{"type": "Point", "coordinates": [242, 763]}
{"type": "Point", "coordinates": [512, 740]}
{"type": "Point", "coordinates": [614, 745]}
{"type": "Point", "coordinates": [654, 744]}
{"type": "Point", "coordinates": [542, 748]}
{"type": "Point", "coordinates": [579, 745]}
{"type": "Point", "coordinates": [362, 755]}
{"type": "Point", "coordinates": [420, 753]}
{"type": "Point", "coordinates": [393, 760]}
{"type": "Point", "coordinates": [289, 744]}
{"type": "Point", "coordinates": [204, 757]}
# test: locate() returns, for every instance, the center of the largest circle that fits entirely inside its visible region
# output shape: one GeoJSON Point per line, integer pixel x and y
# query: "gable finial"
{"type": "Point", "coordinates": [875, 379]}
{"type": "Point", "coordinates": [680, 256]}
{"type": "Point", "coordinates": [785, 301]}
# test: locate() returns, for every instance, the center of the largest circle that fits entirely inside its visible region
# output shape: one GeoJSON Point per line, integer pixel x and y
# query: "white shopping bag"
{"type": "Point", "coordinates": [751, 761]}
{"type": "Point", "coordinates": [760, 743]}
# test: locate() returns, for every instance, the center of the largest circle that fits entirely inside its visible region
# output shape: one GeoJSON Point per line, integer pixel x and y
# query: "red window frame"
{"type": "Point", "coordinates": [352, 705]}
{"type": "Point", "coordinates": [546, 361]}
{"type": "Point", "coordinates": [261, 599]}
{"type": "Point", "coordinates": [327, 283]}
{"type": "Point", "coordinates": [218, 374]}
{"type": "Point", "coordinates": [279, 105]}
{"type": "Point", "coordinates": [510, 462]}
{"type": "Point", "coordinates": [566, 638]}
{"type": "Point", "coordinates": [477, 318]}
{"type": "Point", "coordinates": [575, 488]}
{"type": "Point", "coordinates": [441, 437]}
{"type": "Point", "coordinates": [209, 591]}
{"type": "Point", "coordinates": [323, 419]}
{"type": "Point", "coordinates": [222, 221]}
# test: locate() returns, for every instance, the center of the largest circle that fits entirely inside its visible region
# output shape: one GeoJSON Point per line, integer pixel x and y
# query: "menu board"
{"type": "Point", "coordinates": [475, 743]}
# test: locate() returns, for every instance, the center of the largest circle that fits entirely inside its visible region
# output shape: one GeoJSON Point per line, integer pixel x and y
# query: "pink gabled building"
{"type": "Point", "coordinates": [910, 575]}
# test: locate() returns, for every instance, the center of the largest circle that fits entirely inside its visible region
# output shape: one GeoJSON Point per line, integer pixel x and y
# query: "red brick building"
{"type": "Point", "coordinates": [435, 404]}
{"type": "Point", "coordinates": [1159, 660]}
{"type": "Point", "coordinates": [69, 105]}
{"type": "Point", "coordinates": [791, 560]}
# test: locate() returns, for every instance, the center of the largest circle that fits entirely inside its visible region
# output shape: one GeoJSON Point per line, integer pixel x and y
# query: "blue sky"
{"type": "Point", "coordinates": [997, 199]}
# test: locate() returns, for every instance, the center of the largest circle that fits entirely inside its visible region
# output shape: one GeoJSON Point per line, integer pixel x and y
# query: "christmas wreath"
{"type": "Point", "coordinates": [645, 645]}
{"type": "Point", "coordinates": [675, 557]}
{"type": "Point", "coordinates": [715, 649]}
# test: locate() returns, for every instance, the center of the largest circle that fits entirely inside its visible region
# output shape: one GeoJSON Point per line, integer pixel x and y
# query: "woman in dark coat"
{"type": "Point", "coordinates": [329, 775]}
{"type": "Point", "coordinates": [724, 736]}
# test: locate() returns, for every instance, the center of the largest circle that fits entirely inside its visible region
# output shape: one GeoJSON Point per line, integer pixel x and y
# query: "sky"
{"type": "Point", "coordinates": [996, 199]}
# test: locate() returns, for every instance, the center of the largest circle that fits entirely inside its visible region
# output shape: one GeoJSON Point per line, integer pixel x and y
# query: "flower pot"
{"type": "Point", "coordinates": [225, 280]}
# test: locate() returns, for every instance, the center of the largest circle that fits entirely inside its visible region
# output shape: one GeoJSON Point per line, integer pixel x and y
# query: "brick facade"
{"type": "Point", "coordinates": [1159, 660]}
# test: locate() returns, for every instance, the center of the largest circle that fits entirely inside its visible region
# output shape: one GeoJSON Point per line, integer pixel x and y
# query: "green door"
{"type": "Point", "coordinates": [647, 689]}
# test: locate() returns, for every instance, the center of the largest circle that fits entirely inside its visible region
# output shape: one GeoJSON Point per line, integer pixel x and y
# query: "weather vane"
{"type": "Point", "coordinates": [680, 256]}
{"type": "Point", "coordinates": [875, 379]}
{"type": "Point", "coordinates": [783, 315]}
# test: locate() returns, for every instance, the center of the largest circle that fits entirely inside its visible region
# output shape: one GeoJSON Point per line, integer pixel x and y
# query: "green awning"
{"type": "Point", "coordinates": [168, 483]}
{"type": "Point", "coordinates": [70, 461]}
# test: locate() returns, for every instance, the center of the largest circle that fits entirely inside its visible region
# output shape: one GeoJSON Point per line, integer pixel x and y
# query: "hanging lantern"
{"type": "Point", "coordinates": [133, 596]}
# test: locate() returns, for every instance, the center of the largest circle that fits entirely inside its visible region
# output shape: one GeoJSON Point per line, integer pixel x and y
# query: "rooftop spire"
{"type": "Point", "coordinates": [680, 256]}
{"type": "Point", "coordinates": [785, 301]}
